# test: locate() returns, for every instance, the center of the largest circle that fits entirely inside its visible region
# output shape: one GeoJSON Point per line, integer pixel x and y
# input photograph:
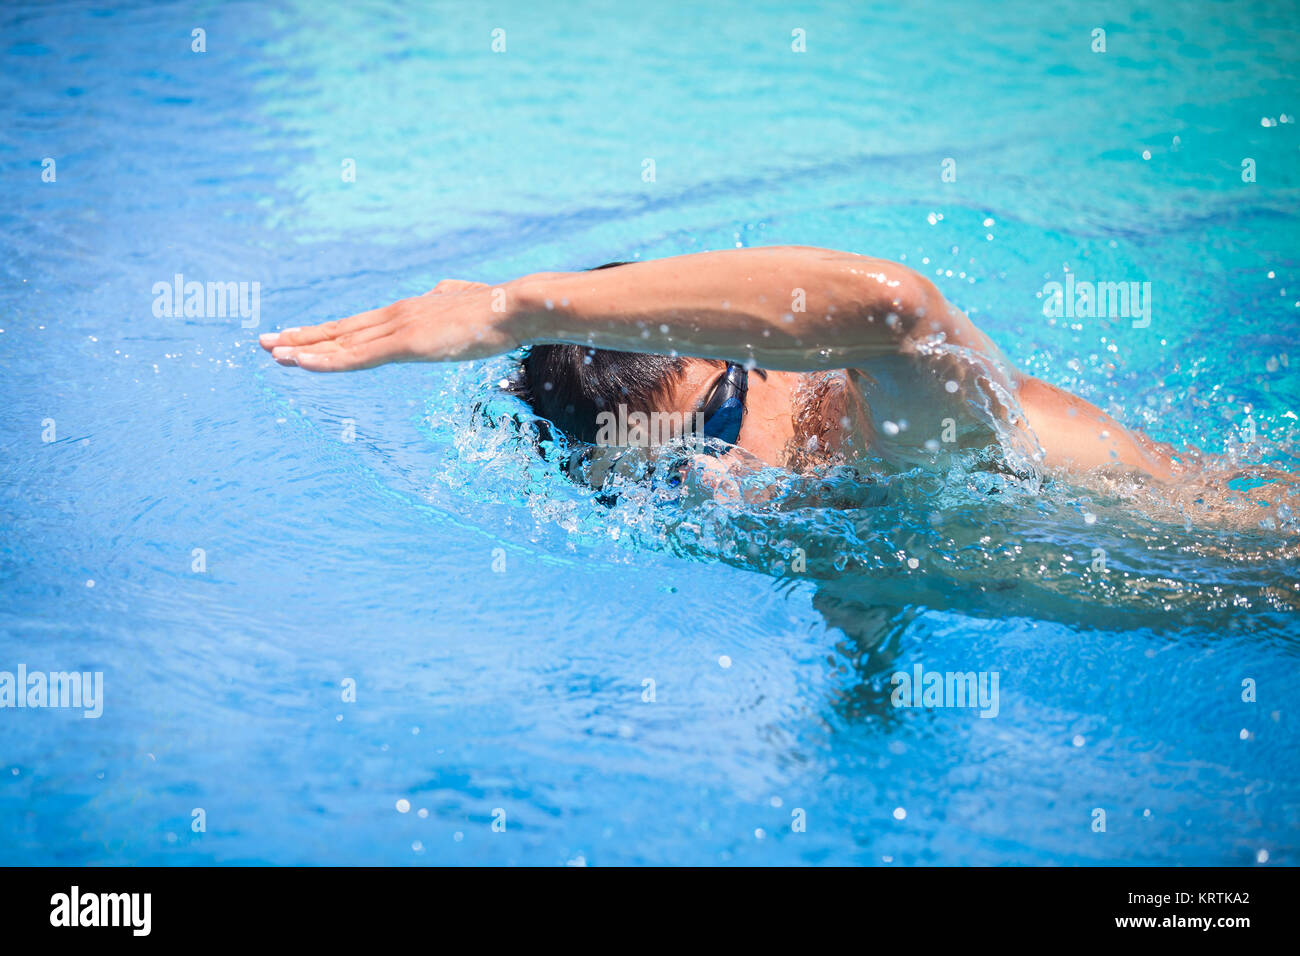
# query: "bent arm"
{"type": "Point", "coordinates": [790, 308]}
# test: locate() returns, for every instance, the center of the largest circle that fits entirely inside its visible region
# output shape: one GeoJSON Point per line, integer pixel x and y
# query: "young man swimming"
{"type": "Point", "coordinates": [796, 355]}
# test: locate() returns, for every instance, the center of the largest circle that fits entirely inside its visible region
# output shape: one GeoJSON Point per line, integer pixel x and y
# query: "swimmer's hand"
{"type": "Point", "coordinates": [454, 322]}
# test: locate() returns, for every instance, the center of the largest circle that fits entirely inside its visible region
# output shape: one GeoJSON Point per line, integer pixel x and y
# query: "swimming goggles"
{"type": "Point", "coordinates": [723, 410]}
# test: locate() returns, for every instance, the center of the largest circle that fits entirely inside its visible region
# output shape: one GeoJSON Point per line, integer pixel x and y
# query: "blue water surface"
{"type": "Point", "coordinates": [235, 545]}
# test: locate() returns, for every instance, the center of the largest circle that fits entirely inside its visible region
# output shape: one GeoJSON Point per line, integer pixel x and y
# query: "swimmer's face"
{"type": "Point", "coordinates": [768, 425]}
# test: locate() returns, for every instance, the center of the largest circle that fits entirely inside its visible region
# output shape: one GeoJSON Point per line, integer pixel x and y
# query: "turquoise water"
{"type": "Point", "coordinates": [498, 626]}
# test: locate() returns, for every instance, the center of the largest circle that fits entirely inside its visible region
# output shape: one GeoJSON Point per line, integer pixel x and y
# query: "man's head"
{"type": "Point", "coordinates": [580, 390]}
{"type": "Point", "coordinates": [571, 385]}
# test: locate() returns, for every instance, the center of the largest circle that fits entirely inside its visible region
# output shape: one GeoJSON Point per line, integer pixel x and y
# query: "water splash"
{"type": "Point", "coordinates": [983, 535]}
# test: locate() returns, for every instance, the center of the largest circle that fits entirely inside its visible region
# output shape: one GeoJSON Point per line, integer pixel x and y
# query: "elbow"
{"type": "Point", "coordinates": [897, 298]}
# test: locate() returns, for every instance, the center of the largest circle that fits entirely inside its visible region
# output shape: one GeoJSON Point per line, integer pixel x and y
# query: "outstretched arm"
{"type": "Point", "coordinates": [788, 307]}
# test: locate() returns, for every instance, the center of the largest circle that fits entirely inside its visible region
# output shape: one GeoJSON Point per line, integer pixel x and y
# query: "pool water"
{"type": "Point", "coordinates": [351, 622]}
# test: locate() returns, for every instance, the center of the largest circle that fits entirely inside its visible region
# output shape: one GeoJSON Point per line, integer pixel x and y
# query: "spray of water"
{"type": "Point", "coordinates": [986, 532]}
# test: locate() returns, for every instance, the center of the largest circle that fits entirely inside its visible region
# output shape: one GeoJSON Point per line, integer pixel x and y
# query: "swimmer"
{"type": "Point", "coordinates": [792, 354]}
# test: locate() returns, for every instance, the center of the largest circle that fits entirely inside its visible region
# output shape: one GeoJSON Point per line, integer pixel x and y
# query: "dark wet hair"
{"type": "Point", "coordinates": [569, 385]}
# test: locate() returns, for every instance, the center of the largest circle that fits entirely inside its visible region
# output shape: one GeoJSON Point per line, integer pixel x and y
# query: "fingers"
{"type": "Point", "coordinates": [360, 341]}
{"type": "Point", "coordinates": [336, 356]}
{"type": "Point", "coordinates": [331, 360]}
{"type": "Point", "coordinates": [329, 331]}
